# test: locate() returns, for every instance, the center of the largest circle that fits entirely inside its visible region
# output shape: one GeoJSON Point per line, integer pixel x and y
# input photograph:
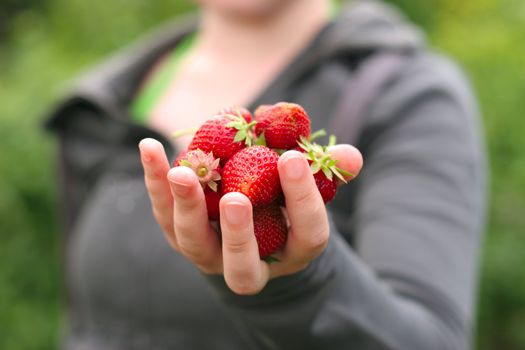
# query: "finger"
{"type": "Point", "coordinates": [196, 238]}
{"type": "Point", "coordinates": [306, 210]}
{"type": "Point", "coordinates": [156, 166]}
{"type": "Point", "coordinates": [349, 159]}
{"type": "Point", "coordinates": [244, 272]}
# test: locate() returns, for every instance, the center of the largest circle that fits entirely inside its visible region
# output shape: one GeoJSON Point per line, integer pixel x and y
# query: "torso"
{"type": "Point", "coordinates": [128, 287]}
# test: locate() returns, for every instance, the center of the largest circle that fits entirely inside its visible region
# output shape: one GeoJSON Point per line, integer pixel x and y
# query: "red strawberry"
{"type": "Point", "coordinates": [282, 124]}
{"type": "Point", "coordinates": [297, 148]}
{"type": "Point", "coordinates": [205, 166]}
{"type": "Point", "coordinates": [260, 110]}
{"type": "Point", "coordinates": [253, 172]}
{"type": "Point", "coordinates": [280, 200]}
{"type": "Point", "coordinates": [208, 171]}
{"type": "Point", "coordinates": [270, 229]}
{"type": "Point", "coordinates": [326, 187]}
{"type": "Point", "coordinates": [212, 202]}
{"type": "Point", "coordinates": [324, 168]}
{"type": "Point", "coordinates": [224, 135]}
{"type": "Point", "coordinates": [181, 156]}
{"type": "Point", "coordinates": [240, 111]}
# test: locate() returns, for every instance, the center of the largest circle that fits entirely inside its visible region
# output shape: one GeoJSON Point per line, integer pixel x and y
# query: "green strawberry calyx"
{"type": "Point", "coordinates": [321, 159]}
{"type": "Point", "coordinates": [313, 136]}
{"type": "Point", "coordinates": [244, 129]}
{"type": "Point", "coordinates": [205, 166]}
{"type": "Point", "coordinates": [271, 259]}
{"type": "Point", "coordinates": [317, 134]}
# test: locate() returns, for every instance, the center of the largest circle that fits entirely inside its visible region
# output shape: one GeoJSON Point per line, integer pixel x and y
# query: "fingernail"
{"type": "Point", "coordinates": [294, 167]}
{"type": "Point", "coordinates": [236, 213]}
{"type": "Point", "coordinates": [181, 189]}
{"type": "Point", "coordinates": [145, 157]}
{"type": "Point", "coordinates": [144, 154]}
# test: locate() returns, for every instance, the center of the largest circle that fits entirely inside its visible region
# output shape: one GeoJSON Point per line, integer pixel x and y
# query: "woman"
{"type": "Point", "coordinates": [392, 267]}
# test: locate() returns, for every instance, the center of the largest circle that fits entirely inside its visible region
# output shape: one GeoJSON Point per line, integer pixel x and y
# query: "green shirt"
{"type": "Point", "coordinates": [158, 82]}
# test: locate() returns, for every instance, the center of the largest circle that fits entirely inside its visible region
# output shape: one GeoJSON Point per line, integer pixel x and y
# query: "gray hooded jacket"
{"type": "Point", "coordinates": [400, 269]}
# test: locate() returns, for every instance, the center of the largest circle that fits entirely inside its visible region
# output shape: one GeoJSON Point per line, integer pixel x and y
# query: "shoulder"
{"type": "Point", "coordinates": [111, 83]}
{"type": "Point", "coordinates": [425, 77]}
{"type": "Point", "coordinates": [428, 109]}
{"type": "Point", "coordinates": [436, 70]}
{"type": "Point", "coordinates": [374, 26]}
{"type": "Point", "coordinates": [139, 53]}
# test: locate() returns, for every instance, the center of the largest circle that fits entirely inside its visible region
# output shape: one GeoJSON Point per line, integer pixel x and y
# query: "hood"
{"type": "Point", "coordinates": [362, 25]}
{"type": "Point", "coordinates": [372, 24]}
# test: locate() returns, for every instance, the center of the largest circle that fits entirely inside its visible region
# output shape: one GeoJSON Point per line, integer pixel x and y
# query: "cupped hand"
{"type": "Point", "coordinates": [179, 207]}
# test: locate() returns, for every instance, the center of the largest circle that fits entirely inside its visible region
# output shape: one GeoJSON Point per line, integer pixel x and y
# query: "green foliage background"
{"type": "Point", "coordinates": [43, 44]}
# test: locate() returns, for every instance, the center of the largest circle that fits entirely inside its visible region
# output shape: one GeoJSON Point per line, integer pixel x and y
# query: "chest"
{"type": "Point", "coordinates": [202, 86]}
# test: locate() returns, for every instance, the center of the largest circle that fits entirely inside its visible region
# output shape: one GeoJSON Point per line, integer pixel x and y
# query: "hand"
{"type": "Point", "coordinates": [179, 207]}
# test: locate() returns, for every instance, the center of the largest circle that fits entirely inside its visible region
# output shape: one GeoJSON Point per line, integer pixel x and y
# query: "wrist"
{"type": "Point", "coordinates": [313, 278]}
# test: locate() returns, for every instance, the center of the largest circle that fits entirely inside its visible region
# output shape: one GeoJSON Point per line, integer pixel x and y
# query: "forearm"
{"type": "Point", "coordinates": [335, 302]}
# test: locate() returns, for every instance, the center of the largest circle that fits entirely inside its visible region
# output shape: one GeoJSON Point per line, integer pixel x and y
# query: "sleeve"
{"type": "Point", "coordinates": [91, 142]}
{"type": "Point", "coordinates": [409, 281]}
{"type": "Point", "coordinates": [81, 151]}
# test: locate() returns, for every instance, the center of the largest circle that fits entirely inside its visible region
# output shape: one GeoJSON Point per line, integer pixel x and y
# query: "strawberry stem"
{"type": "Point", "coordinates": [202, 171]}
{"type": "Point", "coordinates": [332, 140]}
{"type": "Point", "coordinates": [184, 132]}
{"type": "Point", "coordinates": [319, 133]}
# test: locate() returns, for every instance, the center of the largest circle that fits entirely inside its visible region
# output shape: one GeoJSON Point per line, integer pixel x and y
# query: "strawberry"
{"type": "Point", "coordinates": [260, 110]}
{"type": "Point", "coordinates": [212, 202]}
{"type": "Point", "coordinates": [224, 135]}
{"type": "Point", "coordinates": [208, 171]}
{"type": "Point", "coordinates": [270, 229]}
{"type": "Point", "coordinates": [326, 187]}
{"type": "Point", "coordinates": [181, 156]}
{"type": "Point", "coordinates": [282, 125]}
{"type": "Point", "coordinates": [323, 167]}
{"type": "Point", "coordinates": [205, 166]}
{"type": "Point", "coordinates": [240, 111]}
{"type": "Point", "coordinates": [253, 172]}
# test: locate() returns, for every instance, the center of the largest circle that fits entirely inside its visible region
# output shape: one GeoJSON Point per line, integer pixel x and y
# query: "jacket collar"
{"type": "Point", "coordinates": [111, 86]}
